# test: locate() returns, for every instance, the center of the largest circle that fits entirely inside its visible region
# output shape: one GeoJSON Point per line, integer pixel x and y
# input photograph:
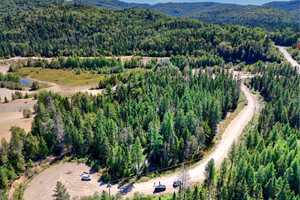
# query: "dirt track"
{"type": "Point", "coordinates": [288, 57]}
{"type": "Point", "coordinates": [42, 186]}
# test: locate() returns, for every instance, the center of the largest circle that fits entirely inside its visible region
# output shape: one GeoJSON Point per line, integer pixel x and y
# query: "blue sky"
{"type": "Point", "coordinates": [244, 2]}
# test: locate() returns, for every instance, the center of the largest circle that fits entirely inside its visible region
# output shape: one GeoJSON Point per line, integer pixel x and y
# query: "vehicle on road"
{"type": "Point", "coordinates": [160, 188]}
{"type": "Point", "coordinates": [86, 177]}
{"type": "Point", "coordinates": [177, 183]}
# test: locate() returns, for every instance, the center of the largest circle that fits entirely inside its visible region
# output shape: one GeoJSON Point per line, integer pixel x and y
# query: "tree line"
{"type": "Point", "coordinates": [10, 81]}
{"type": "Point", "coordinates": [84, 30]}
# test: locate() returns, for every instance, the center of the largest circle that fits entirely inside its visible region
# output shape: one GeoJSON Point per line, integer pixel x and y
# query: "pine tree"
{"type": "Point", "coordinates": [60, 192]}
{"type": "Point", "coordinates": [137, 154]}
{"type": "Point", "coordinates": [210, 173]}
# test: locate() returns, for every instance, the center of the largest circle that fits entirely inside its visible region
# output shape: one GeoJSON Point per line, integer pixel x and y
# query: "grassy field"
{"type": "Point", "coordinates": [64, 77]}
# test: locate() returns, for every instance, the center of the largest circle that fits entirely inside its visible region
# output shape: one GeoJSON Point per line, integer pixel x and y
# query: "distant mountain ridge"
{"type": "Point", "coordinates": [293, 6]}
{"type": "Point", "coordinates": [185, 9]}
{"type": "Point", "coordinates": [172, 9]}
{"type": "Point", "coordinates": [18, 6]}
{"type": "Point", "coordinates": [259, 16]}
{"type": "Point", "coordinates": [271, 15]}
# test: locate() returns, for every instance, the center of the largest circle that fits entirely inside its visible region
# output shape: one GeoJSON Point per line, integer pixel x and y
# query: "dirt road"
{"type": "Point", "coordinates": [288, 57]}
{"type": "Point", "coordinates": [42, 186]}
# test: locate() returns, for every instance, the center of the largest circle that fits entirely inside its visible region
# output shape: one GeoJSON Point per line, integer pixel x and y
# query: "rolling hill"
{"type": "Point", "coordinates": [85, 30]}
{"type": "Point", "coordinates": [186, 9]}
{"type": "Point", "coordinates": [17, 6]}
{"type": "Point", "coordinates": [270, 16]}
{"type": "Point", "coordinates": [289, 5]}
{"type": "Point", "coordinates": [259, 16]}
{"type": "Point", "coordinates": [172, 9]}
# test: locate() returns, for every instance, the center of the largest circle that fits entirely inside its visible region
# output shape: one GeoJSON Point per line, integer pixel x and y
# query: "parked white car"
{"type": "Point", "coordinates": [86, 177]}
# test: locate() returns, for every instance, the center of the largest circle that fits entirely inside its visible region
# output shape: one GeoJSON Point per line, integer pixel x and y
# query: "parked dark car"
{"type": "Point", "coordinates": [160, 188]}
{"type": "Point", "coordinates": [177, 183]}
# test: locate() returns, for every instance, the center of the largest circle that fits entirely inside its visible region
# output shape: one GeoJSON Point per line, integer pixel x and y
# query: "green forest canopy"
{"type": "Point", "coordinates": [265, 164]}
{"type": "Point", "coordinates": [156, 116]}
{"type": "Point", "coordinates": [267, 17]}
{"type": "Point", "coordinates": [86, 30]}
{"type": "Point", "coordinates": [12, 7]}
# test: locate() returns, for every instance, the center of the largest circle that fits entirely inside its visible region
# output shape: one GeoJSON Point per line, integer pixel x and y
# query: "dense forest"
{"type": "Point", "coordinates": [266, 17]}
{"type": "Point", "coordinates": [172, 9]}
{"type": "Point", "coordinates": [293, 5]}
{"type": "Point", "coordinates": [269, 16]}
{"type": "Point", "coordinates": [85, 30]}
{"type": "Point", "coordinates": [265, 164]}
{"type": "Point", "coordinates": [13, 7]}
{"type": "Point", "coordinates": [185, 9]}
{"type": "Point", "coordinates": [151, 120]}
{"type": "Point", "coordinates": [164, 116]}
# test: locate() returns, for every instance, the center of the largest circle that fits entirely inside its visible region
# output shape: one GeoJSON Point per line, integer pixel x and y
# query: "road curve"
{"type": "Point", "coordinates": [288, 57]}
{"type": "Point", "coordinates": [231, 134]}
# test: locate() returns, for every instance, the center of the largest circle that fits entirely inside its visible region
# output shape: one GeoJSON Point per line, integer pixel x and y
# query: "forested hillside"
{"type": "Point", "coordinates": [12, 7]}
{"type": "Point", "coordinates": [265, 164]}
{"type": "Point", "coordinates": [293, 5]}
{"type": "Point", "coordinates": [152, 120]}
{"type": "Point", "coordinates": [85, 30]}
{"type": "Point", "coordinates": [271, 16]}
{"type": "Point", "coordinates": [266, 17]}
{"type": "Point", "coordinates": [172, 9]}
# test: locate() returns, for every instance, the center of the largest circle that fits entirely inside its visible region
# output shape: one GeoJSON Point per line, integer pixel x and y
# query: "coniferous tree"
{"type": "Point", "coordinates": [60, 192]}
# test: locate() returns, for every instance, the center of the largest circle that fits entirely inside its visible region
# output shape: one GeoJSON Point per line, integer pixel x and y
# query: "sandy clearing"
{"type": "Point", "coordinates": [11, 115]}
{"type": "Point", "coordinates": [4, 92]}
{"type": "Point", "coordinates": [4, 68]}
{"type": "Point", "coordinates": [42, 186]}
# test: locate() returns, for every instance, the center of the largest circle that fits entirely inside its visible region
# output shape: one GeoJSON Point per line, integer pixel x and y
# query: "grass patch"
{"type": "Point", "coordinates": [65, 77]}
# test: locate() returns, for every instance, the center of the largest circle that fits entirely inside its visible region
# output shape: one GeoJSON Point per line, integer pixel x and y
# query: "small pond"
{"type": "Point", "coordinates": [27, 81]}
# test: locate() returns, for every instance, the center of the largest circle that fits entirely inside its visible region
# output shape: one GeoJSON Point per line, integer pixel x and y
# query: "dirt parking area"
{"type": "Point", "coordinates": [42, 186]}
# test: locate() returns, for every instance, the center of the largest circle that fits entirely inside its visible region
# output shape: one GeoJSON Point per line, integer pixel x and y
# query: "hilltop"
{"type": "Point", "coordinates": [73, 28]}
{"type": "Point", "coordinates": [259, 16]}
{"type": "Point", "coordinates": [172, 9]}
{"type": "Point", "coordinates": [18, 6]}
{"type": "Point", "coordinates": [273, 14]}
{"type": "Point", "coordinates": [286, 5]}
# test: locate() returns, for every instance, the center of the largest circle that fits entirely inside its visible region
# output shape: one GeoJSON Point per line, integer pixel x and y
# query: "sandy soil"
{"type": "Point", "coordinates": [11, 115]}
{"type": "Point", "coordinates": [42, 186]}
{"type": "Point", "coordinates": [4, 68]}
{"type": "Point", "coordinates": [4, 92]}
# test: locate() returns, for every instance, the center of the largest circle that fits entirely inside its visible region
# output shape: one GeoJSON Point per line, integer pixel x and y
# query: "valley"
{"type": "Point", "coordinates": [107, 100]}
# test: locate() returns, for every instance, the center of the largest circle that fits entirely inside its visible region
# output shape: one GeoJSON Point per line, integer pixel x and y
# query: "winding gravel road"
{"type": "Point", "coordinates": [42, 186]}
{"type": "Point", "coordinates": [288, 57]}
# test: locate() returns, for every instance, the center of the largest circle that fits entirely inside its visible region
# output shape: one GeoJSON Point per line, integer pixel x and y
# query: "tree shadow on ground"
{"type": "Point", "coordinates": [125, 188]}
